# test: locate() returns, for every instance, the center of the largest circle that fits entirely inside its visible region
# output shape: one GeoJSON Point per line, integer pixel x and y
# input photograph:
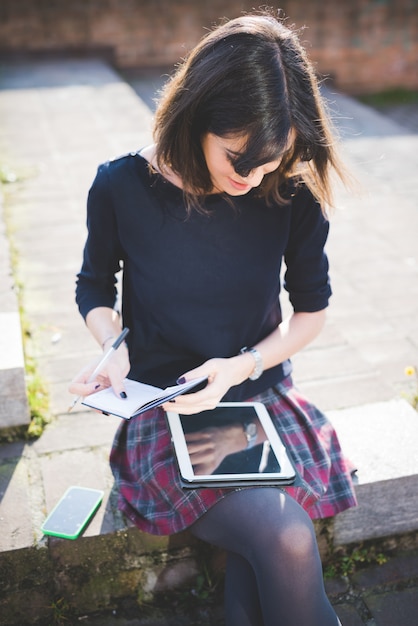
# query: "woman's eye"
{"type": "Point", "coordinates": [231, 158]}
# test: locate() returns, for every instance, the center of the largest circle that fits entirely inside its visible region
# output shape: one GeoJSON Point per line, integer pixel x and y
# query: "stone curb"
{"type": "Point", "coordinates": [14, 410]}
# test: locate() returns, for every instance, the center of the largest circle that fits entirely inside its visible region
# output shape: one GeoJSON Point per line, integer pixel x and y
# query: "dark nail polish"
{"type": "Point", "coordinates": [97, 386]}
{"type": "Point", "coordinates": [181, 380]}
{"type": "Point", "coordinates": [123, 395]}
{"type": "Point", "coordinates": [172, 401]}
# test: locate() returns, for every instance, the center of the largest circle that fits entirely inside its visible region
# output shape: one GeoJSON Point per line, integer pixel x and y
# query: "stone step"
{"type": "Point", "coordinates": [14, 411]}
{"type": "Point", "coordinates": [381, 440]}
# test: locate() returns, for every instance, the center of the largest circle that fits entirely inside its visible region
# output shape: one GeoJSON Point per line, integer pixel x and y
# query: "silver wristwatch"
{"type": "Point", "coordinates": [258, 369]}
{"type": "Point", "coordinates": [250, 432]}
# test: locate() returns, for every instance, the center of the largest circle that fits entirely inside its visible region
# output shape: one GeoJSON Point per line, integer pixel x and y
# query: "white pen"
{"type": "Point", "coordinates": [115, 345]}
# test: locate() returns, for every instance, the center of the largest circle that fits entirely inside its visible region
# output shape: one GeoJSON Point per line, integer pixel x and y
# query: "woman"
{"type": "Point", "coordinates": [236, 183]}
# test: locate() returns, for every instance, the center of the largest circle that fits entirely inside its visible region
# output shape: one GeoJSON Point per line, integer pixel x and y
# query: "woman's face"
{"type": "Point", "coordinates": [220, 153]}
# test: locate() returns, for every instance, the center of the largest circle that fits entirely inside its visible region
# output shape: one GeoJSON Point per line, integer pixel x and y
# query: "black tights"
{"type": "Point", "coordinates": [273, 573]}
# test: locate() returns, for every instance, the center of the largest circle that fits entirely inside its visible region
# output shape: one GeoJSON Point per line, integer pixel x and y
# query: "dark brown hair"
{"type": "Point", "coordinates": [248, 77]}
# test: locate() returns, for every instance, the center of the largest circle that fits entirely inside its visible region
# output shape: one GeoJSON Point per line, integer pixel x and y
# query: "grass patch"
{"type": "Point", "coordinates": [37, 393]}
{"type": "Point", "coordinates": [390, 98]}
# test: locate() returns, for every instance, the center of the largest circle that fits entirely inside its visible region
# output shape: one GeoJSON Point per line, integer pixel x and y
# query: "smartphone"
{"type": "Point", "coordinates": [73, 512]}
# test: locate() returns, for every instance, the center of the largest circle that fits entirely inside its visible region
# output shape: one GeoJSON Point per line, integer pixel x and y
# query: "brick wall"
{"type": "Point", "coordinates": [365, 45]}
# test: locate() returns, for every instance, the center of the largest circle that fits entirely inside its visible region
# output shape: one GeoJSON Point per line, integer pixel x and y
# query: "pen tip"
{"type": "Point", "coordinates": [70, 408]}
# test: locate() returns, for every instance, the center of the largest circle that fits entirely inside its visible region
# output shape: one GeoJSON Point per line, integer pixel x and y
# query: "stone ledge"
{"type": "Point", "coordinates": [380, 439]}
{"type": "Point", "coordinates": [14, 410]}
{"type": "Point", "coordinates": [92, 573]}
{"type": "Point", "coordinates": [113, 562]}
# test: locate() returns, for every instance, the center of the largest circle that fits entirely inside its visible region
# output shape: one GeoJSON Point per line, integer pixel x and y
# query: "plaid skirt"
{"type": "Point", "coordinates": [146, 473]}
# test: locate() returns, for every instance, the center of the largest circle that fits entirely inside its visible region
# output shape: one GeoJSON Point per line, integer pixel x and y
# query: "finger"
{"type": "Point", "coordinates": [84, 389]}
{"type": "Point", "coordinates": [199, 435]}
{"type": "Point", "coordinates": [189, 409]}
{"type": "Point", "coordinates": [206, 369]}
{"type": "Point", "coordinates": [199, 447]}
{"type": "Point", "coordinates": [191, 403]}
{"type": "Point", "coordinates": [117, 380]}
{"type": "Point", "coordinates": [119, 389]}
{"type": "Point", "coordinates": [201, 456]}
{"type": "Point", "coordinates": [202, 469]}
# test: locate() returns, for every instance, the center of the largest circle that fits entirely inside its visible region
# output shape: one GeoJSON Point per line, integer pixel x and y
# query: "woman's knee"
{"type": "Point", "coordinates": [287, 528]}
{"type": "Point", "coordinates": [297, 541]}
{"type": "Point", "coordinates": [258, 521]}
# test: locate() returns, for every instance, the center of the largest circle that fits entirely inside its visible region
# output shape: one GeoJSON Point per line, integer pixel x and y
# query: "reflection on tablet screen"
{"type": "Point", "coordinates": [217, 444]}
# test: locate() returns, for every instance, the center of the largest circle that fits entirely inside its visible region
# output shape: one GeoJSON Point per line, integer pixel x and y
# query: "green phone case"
{"type": "Point", "coordinates": [73, 512]}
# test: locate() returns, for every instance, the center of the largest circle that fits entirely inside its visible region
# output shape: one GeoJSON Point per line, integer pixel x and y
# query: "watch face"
{"type": "Point", "coordinates": [251, 429]}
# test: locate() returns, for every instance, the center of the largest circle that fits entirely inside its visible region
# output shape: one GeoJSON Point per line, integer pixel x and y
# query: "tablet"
{"type": "Point", "coordinates": [248, 448]}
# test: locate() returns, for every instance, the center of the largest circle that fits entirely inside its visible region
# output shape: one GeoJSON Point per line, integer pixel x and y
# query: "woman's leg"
{"type": "Point", "coordinates": [242, 605]}
{"type": "Point", "coordinates": [268, 530]}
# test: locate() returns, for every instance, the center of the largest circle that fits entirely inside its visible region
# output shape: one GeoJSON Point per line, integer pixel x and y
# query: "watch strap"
{"type": "Point", "coordinates": [258, 368]}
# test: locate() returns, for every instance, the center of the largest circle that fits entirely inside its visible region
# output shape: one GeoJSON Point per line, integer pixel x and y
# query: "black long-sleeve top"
{"type": "Point", "coordinates": [201, 286]}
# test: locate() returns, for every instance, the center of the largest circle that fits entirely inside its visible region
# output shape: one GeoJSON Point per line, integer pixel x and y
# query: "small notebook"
{"type": "Point", "coordinates": [140, 397]}
{"type": "Point", "coordinates": [267, 462]}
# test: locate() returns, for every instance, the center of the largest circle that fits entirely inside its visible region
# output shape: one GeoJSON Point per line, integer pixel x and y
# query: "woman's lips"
{"type": "Point", "coordinates": [239, 186]}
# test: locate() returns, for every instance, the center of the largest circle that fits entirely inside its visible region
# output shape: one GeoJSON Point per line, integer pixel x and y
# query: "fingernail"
{"type": "Point", "coordinates": [172, 401]}
{"type": "Point", "coordinates": [123, 395]}
{"type": "Point", "coordinates": [181, 380]}
{"type": "Point", "coordinates": [97, 386]}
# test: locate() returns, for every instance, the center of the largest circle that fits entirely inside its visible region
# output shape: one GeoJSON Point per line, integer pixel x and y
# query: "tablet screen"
{"type": "Point", "coordinates": [233, 443]}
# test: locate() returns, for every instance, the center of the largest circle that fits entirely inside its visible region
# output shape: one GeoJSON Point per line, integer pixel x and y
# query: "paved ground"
{"type": "Point", "coordinates": [59, 120]}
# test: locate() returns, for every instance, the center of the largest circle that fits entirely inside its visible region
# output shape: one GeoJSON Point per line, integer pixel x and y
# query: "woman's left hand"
{"type": "Point", "coordinates": [222, 374]}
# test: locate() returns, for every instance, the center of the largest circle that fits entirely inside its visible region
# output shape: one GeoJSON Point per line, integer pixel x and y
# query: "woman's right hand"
{"type": "Point", "coordinates": [209, 446]}
{"type": "Point", "coordinates": [112, 375]}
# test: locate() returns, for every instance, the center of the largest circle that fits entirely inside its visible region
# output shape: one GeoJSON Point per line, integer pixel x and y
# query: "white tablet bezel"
{"type": "Point", "coordinates": [287, 474]}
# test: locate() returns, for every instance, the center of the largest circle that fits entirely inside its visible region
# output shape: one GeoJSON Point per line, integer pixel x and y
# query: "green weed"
{"type": "Point", "coordinates": [345, 564]}
{"type": "Point", "coordinates": [60, 612]}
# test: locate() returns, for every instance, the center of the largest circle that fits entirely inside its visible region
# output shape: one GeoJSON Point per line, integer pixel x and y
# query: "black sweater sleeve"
{"type": "Point", "coordinates": [306, 277]}
{"type": "Point", "coordinates": [96, 281]}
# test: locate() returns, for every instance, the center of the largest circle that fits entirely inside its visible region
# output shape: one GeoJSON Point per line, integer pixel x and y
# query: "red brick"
{"type": "Point", "coordinates": [364, 46]}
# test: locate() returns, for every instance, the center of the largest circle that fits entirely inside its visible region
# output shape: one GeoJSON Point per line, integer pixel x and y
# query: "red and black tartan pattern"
{"type": "Point", "coordinates": [146, 473]}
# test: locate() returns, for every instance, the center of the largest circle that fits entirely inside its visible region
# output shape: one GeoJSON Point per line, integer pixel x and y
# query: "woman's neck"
{"type": "Point", "coordinates": [149, 153]}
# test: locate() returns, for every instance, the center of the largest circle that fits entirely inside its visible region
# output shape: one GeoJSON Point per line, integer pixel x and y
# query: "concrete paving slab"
{"type": "Point", "coordinates": [356, 120]}
{"type": "Point", "coordinates": [402, 568]}
{"type": "Point", "coordinates": [86, 467]}
{"type": "Point", "coordinates": [80, 429]}
{"type": "Point", "coordinates": [58, 392]}
{"type": "Point", "coordinates": [338, 393]}
{"type": "Point", "coordinates": [64, 336]}
{"type": "Point", "coordinates": [393, 607]}
{"type": "Point", "coordinates": [15, 511]}
{"type": "Point", "coordinates": [348, 615]}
